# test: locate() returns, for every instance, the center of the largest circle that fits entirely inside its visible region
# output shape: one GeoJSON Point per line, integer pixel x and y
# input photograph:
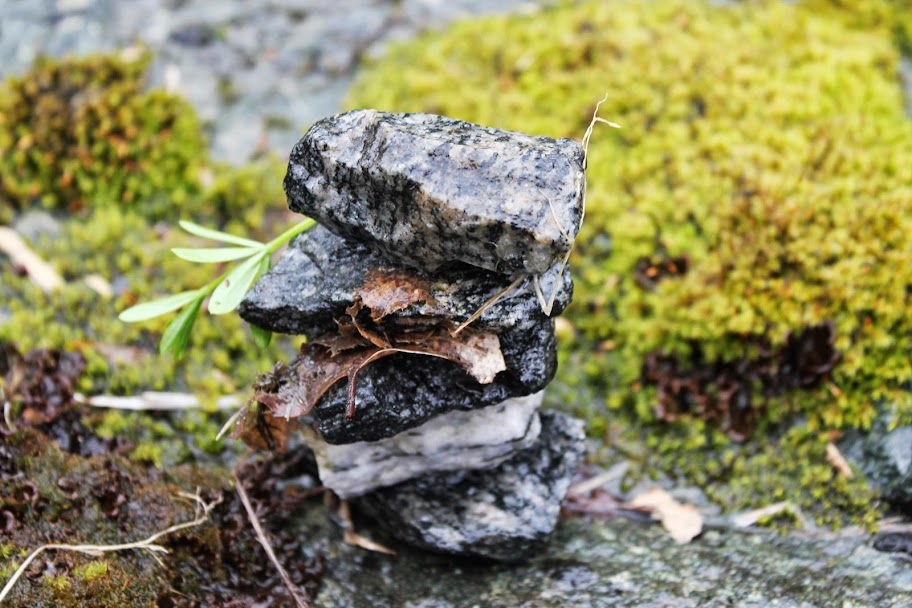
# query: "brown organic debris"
{"type": "Point", "coordinates": [290, 392]}
{"type": "Point", "coordinates": [724, 390]}
{"type": "Point", "coordinates": [649, 270]}
{"type": "Point", "coordinates": [386, 292]}
{"type": "Point", "coordinates": [42, 381]}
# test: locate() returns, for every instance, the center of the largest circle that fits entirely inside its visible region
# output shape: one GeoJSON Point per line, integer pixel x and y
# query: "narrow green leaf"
{"type": "Point", "coordinates": [157, 308]}
{"type": "Point", "coordinates": [217, 235]}
{"type": "Point", "coordinates": [230, 291]}
{"type": "Point", "coordinates": [177, 334]}
{"type": "Point", "coordinates": [217, 254]}
{"type": "Point", "coordinates": [262, 337]}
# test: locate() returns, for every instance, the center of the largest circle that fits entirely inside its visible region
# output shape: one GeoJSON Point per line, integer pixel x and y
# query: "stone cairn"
{"type": "Point", "coordinates": [423, 293]}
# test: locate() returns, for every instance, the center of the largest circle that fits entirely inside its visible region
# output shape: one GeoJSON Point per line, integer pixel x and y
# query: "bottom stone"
{"type": "Point", "coordinates": [505, 513]}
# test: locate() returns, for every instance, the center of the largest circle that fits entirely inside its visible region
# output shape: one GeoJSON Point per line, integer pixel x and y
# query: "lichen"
{"type": "Point", "coordinates": [766, 144]}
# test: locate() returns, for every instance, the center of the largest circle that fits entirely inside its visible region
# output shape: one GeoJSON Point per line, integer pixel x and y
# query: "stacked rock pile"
{"type": "Point", "coordinates": [431, 286]}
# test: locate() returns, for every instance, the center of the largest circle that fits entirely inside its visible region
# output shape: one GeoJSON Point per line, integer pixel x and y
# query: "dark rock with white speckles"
{"type": "Point", "coordinates": [317, 278]}
{"type": "Point", "coordinates": [428, 190]}
{"type": "Point", "coordinates": [506, 513]}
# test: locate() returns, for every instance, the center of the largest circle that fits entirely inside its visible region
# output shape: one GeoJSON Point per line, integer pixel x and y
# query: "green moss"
{"type": "Point", "coordinates": [165, 172]}
{"type": "Point", "coordinates": [90, 571]}
{"type": "Point", "coordinates": [767, 142]}
{"type": "Point", "coordinates": [82, 133]}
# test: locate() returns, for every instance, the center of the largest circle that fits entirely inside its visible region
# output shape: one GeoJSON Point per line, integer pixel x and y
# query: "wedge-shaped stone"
{"type": "Point", "coordinates": [428, 190]}
{"type": "Point", "coordinates": [505, 513]}
{"type": "Point", "coordinates": [320, 274]}
{"type": "Point", "coordinates": [476, 439]}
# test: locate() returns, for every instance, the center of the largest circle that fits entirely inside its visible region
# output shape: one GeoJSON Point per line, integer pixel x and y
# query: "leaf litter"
{"type": "Point", "coordinates": [371, 329]}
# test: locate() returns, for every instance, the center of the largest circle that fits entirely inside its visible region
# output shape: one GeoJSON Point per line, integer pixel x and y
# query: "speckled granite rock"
{"type": "Point", "coordinates": [428, 190]}
{"type": "Point", "coordinates": [402, 391]}
{"type": "Point", "coordinates": [479, 439]}
{"type": "Point", "coordinates": [317, 278]}
{"type": "Point", "coordinates": [885, 458]}
{"type": "Point", "coordinates": [505, 513]}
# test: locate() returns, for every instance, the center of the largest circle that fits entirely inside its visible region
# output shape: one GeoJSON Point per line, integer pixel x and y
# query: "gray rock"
{"type": "Point", "coordinates": [429, 190]}
{"type": "Point", "coordinates": [478, 439]}
{"type": "Point", "coordinates": [885, 457]}
{"type": "Point", "coordinates": [402, 391]}
{"type": "Point", "coordinates": [505, 514]}
{"type": "Point", "coordinates": [318, 275]}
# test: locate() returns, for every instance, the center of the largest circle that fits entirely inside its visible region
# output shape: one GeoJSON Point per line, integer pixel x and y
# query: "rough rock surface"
{"type": "Point", "coordinates": [885, 458]}
{"type": "Point", "coordinates": [429, 190]}
{"type": "Point", "coordinates": [320, 273]}
{"type": "Point", "coordinates": [402, 391]}
{"type": "Point", "coordinates": [505, 513]}
{"type": "Point", "coordinates": [478, 439]}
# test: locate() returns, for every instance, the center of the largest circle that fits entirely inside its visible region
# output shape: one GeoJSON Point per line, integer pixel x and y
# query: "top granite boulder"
{"type": "Point", "coordinates": [428, 190]}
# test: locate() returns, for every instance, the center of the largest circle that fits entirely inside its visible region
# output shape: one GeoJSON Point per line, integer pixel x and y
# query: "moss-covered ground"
{"type": "Point", "coordinates": [742, 279]}
{"type": "Point", "coordinates": [743, 286]}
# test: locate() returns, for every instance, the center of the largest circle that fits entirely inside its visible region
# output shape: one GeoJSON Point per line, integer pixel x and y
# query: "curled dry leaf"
{"type": "Point", "coordinates": [386, 292]}
{"type": "Point", "coordinates": [683, 522]}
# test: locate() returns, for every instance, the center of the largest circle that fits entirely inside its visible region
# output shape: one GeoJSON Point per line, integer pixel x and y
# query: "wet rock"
{"type": "Point", "coordinates": [505, 513]}
{"type": "Point", "coordinates": [428, 190]}
{"type": "Point", "coordinates": [317, 278]}
{"type": "Point", "coordinates": [479, 439]}
{"type": "Point", "coordinates": [402, 391]}
{"type": "Point", "coordinates": [885, 458]}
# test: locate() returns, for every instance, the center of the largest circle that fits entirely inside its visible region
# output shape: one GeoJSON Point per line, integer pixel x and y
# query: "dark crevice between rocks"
{"type": "Point", "coordinates": [727, 391]}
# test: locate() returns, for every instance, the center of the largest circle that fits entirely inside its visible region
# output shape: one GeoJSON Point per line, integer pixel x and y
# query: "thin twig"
{"type": "Point", "coordinates": [202, 515]}
{"type": "Point", "coordinates": [488, 303]}
{"type": "Point", "coordinates": [229, 423]}
{"type": "Point", "coordinates": [155, 401]}
{"type": "Point", "coordinates": [300, 600]}
{"type": "Point", "coordinates": [353, 538]}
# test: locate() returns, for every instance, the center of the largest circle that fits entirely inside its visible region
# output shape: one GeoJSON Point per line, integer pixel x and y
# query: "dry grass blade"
{"type": "Point", "coordinates": [838, 461]}
{"type": "Point", "coordinates": [300, 599]}
{"type": "Point", "coordinates": [353, 538]}
{"type": "Point", "coordinates": [489, 303]}
{"type": "Point", "coordinates": [202, 516]}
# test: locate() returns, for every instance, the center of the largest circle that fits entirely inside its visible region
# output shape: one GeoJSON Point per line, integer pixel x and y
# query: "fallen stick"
{"type": "Point", "coordinates": [39, 272]}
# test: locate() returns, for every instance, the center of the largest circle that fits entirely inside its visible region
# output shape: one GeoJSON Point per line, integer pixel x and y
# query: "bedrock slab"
{"type": "Point", "coordinates": [321, 274]}
{"type": "Point", "coordinates": [428, 190]}
{"type": "Point", "coordinates": [477, 439]}
{"type": "Point", "coordinates": [403, 391]}
{"type": "Point", "coordinates": [506, 513]}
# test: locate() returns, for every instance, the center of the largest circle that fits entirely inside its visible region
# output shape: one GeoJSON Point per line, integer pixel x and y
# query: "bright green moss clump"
{"type": "Point", "coordinates": [765, 151]}
{"type": "Point", "coordinates": [83, 133]}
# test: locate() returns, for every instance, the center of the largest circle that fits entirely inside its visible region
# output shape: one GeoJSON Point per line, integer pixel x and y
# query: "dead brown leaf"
{"type": "Point", "coordinates": [288, 393]}
{"type": "Point", "coordinates": [386, 292]}
{"type": "Point", "coordinates": [683, 522]}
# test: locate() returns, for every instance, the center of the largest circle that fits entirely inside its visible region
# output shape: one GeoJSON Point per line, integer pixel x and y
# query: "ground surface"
{"type": "Point", "coordinates": [258, 74]}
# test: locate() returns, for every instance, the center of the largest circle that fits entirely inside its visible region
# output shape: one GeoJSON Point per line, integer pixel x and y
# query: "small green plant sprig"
{"type": "Point", "coordinates": [225, 292]}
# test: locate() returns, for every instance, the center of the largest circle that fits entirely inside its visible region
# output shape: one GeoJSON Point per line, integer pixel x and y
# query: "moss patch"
{"type": "Point", "coordinates": [118, 165]}
{"type": "Point", "coordinates": [767, 145]}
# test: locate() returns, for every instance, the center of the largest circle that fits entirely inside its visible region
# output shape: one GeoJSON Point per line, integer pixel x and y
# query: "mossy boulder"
{"type": "Point", "coordinates": [749, 227]}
